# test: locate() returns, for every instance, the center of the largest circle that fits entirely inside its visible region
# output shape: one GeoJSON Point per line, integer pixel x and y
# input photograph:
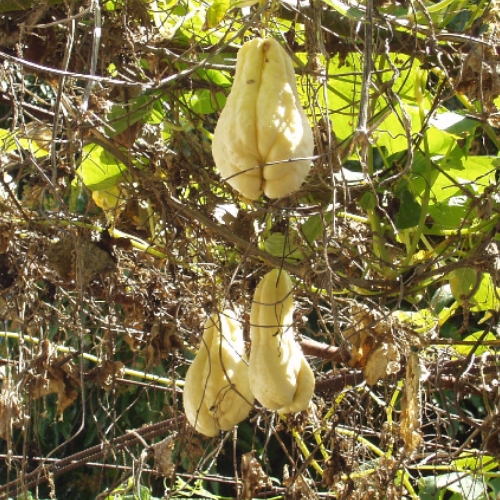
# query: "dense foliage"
{"type": "Point", "coordinates": [118, 239]}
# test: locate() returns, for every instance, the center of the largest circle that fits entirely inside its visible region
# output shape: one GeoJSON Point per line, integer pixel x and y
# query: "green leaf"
{"type": "Point", "coordinates": [456, 482]}
{"type": "Point", "coordinates": [454, 123]}
{"type": "Point", "coordinates": [481, 349]}
{"type": "Point", "coordinates": [449, 214]}
{"type": "Point", "coordinates": [449, 201]}
{"type": "Point", "coordinates": [368, 201]}
{"type": "Point", "coordinates": [474, 172]}
{"type": "Point", "coordinates": [479, 464]}
{"type": "Point", "coordinates": [417, 181]}
{"type": "Point", "coordinates": [205, 102]}
{"type": "Point", "coordinates": [421, 321]}
{"type": "Point", "coordinates": [111, 5]}
{"type": "Point", "coordinates": [216, 12]}
{"type": "Point", "coordinates": [345, 10]}
{"type": "Point", "coordinates": [99, 169]}
{"type": "Point", "coordinates": [7, 142]}
{"type": "Point", "coordinates": [409, 211]}
{"type": "Point", "coordinates": [462, 282]}
{"type": "Point", "coordinates": [313, 226]}
{"type": "Point", "coordinates": [219, 78]}
{"type": "Point", "coordinates": [279, 245]}
{"type": "Point", "coordinates": [487, 296]}
{"type": "Point", "coordinates": [465, 485]}
{"type": "Point", "coordinates": [122, 116]}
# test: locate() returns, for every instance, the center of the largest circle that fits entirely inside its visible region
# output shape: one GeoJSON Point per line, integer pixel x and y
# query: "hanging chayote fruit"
{"type": "Point", "coordinates": [280, 377]}
{"type": "Point", "coordinates": [263, 126]}
{"type": "Point", "coordinates": [217, 394]}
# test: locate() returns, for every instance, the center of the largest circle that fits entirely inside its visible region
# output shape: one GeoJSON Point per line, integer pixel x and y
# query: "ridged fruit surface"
{"type": "Point", "coordinates": [263, 122]}
{"type": "Point", "coordinates": [217, 393]}
{"type": "Point", "coordinates": [280, 376]}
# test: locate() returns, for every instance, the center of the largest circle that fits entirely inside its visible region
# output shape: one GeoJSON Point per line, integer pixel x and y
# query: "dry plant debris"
{"type": "Point", "coordinates": [118, 239]}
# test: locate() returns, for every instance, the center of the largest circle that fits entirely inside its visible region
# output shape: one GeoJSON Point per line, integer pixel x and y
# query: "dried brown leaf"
{"type": "Point", "coordinates": [163, 450]}
{"type": "Point", "coordinates": [383, 361]}
{"type": "Point", "coordinates": [54, 375]}
{"type": "Point", "coordinates": [162, 341]}
{"type": "Point", "coordinates": [11, 416]}
{"type": "Point", "coordinates": [410, 406]}
{"type": "Point", "coordinates": [105, 374]}
{"type": "Point", "coordinates": [297, 487]}
{"type": "Point", "coordinates": [253, 477]}
{"type": "Point", "coordinates": [85, 262]}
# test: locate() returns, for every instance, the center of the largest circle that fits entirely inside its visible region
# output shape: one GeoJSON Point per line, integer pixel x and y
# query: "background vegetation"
{"type": "Point", "coordinates": [118, 238]}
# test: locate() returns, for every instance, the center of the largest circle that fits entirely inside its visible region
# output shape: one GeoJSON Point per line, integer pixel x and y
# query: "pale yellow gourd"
{"type": "Point", "coordinates": [263, 122]}
{"type": "Point", "coordinates": [280, 376]}
{"type": "Point", "coordinates": [217, 394]}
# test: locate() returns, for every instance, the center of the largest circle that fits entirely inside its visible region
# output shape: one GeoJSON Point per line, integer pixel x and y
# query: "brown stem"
{"type": "Point", "coordinates": [321, 350]}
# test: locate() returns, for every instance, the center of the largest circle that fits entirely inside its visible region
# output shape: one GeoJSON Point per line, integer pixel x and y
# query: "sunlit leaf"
{"type": "Point", "coordinates": [99, 169]}
{"type": "Point", "coordinates": [481, 349]}
{"type": "Point", "coordinates": [487, 296]}
{"type": "Point", "coordinates": [421, 321]}
{"type": "Point", "coordinates": [216, 12]}
{"type": "Point", "coordinates": [463, 484]}
{"type": "Point", "coordinates": [7, 142]}
{"type": "Point", "coordinates": [453, 123]}
{"type": "Point", "coordinates": [204, 102]}
{"type": "Point", "coordinates": [346, 10]}
{"type": "Point", "coordinates": [462, 282]}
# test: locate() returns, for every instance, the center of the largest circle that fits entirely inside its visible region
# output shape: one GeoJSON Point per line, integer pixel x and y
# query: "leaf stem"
{"type": "Point", "coordinates": [426, 195]}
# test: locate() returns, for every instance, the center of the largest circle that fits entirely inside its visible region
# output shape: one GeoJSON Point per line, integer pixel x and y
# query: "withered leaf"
{"type": "Point", "coordinates": [78, 258]}
{"type": "Point", "coordinates": [161, 342]}
{"type": "Point", "coordinates": [410, 406]}
{"type": "Point", "coordinates": [54, 375]}
{"type": "Point", "coordinates": [383, 361]}
{"type": "Point", "coordinates": [297, 487]}
{"type": "Point", "coordinates": [163, 451]}
{"type": "Point", "coordinates": [11, 416]}
{"type": "Point", "coordinates": [105, 374]}
{"type": "Point", "coordinates": [254, 479]}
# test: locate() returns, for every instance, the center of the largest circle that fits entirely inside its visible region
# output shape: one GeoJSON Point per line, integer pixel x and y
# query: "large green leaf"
{"type": "Point", "coordinates": [484, 295]}
{"type": "Point", "coordinates": [454, 180]}
{"type": "Point", "coordinates": [99, 169]}
{"type": "Point", "coordinates": [474, 173]}
{"type": "Point", "coordinates": [449, 214]}
{"type": "Point", "coordinates": [462, 282]}
{"type": "Point", "coordinates": [454, 123]}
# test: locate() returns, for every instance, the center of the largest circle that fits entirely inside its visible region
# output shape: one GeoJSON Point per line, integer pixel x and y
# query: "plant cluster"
{"type": "Point", "coordinates": [118, 238]}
